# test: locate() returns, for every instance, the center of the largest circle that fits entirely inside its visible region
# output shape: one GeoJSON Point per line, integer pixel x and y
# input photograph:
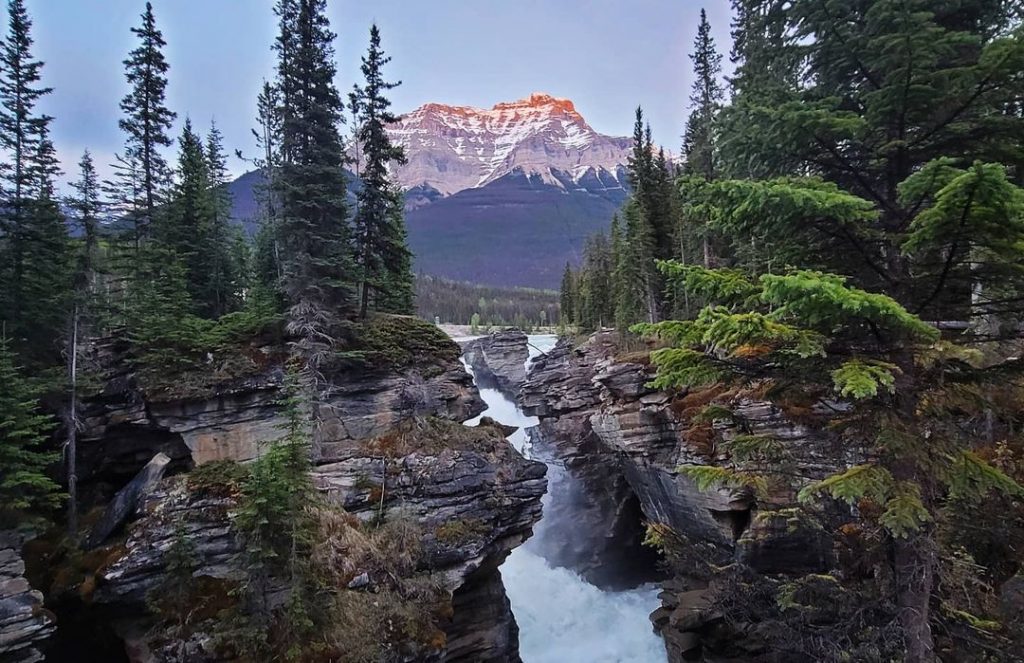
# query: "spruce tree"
{"type": "Point", "coordinates": [567, 296]}
{"type": "Point", "coordinates": [896, 146]}
{"type": "Point", "coordinates": [87, 206]}
{"type": "Point", "coordinates": [145, 123]}
{"type": "Point", "coordinates": [85, 315]}
{"type": "Point", "coordinates": [318, 273]}
{"type": "Point", "coordinates": [195, 228]}
{"type": "Point", "coordinates": [25, 488]}
{"type": "Point", "coordinates": [46, 271]}
{"type": "Point", "coordinates": [648, 234]}
{"type": "Point", "coordinates": [32, 245]}
{"type": "Point", "coordinates": [705, 99]}
{"type": "Point", "coordinates": [229, 258]}
{"type": "Point", "coordinates": [266, 255]}
{"type": "Point", "coordinates": [595, 299]}
{"type": "Point", "coordinates": [633, 286]}
{"type": "Point", "coordinates": [699, 149]}
{"type": "Point", "coordinates": [382, 256]}
{"type": "Point", "coordinates": [183, 229]}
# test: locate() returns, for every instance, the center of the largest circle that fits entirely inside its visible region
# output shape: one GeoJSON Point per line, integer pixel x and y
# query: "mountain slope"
{"type": "Point", "coordinates": [501, 196]}
{"type": "Point", "coordinates": [517, 230]}
{"type": "Point", "coordinates": [453, 148]}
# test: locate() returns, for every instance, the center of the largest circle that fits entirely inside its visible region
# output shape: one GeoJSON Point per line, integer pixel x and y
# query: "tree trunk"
{"type": "Point", "coordinates": [71, 423]}
{"type": "Point", "coordinates": [914, 562]}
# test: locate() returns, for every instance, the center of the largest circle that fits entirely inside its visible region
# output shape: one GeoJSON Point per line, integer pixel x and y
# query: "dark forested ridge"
{"type": "Point", "coordinates": [515, 231]}
{"type": "Point", "coordinates": [484, 306]}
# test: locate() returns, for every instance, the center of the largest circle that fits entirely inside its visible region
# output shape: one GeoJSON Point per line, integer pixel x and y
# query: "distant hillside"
{"type": "Point", "coordinates": [514, 231]}
{"type": "Point", "coordinates": [502, 196]}
{"type": "Point", "coordinates": [455, 302]}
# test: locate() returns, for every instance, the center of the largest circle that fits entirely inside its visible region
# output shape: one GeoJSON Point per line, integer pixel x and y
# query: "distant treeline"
{"type": "Point", "coordinates": [457, 303]}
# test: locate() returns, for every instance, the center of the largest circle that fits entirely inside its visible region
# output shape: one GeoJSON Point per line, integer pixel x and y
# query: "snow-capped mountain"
{"type": "Point", "coordinates": [454, 148]}
{"type": "Point", "coordinates": [504, 196]}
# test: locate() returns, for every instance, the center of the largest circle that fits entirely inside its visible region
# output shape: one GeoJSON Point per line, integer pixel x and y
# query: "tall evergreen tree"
{"type": "Point", "coordinates": [595, 300]}
{"type": "Point", "coordinates": [183, 228]}
{"type": "Point", "coordinates": [705, 99]}
{"type": "Point", "coordinates": [86, 206]}
{"type": "Point", "coordinates": [898, 126]}
{"type": "Point", "coordinates": [648, 234]}
{"type": "Point", "coordinates": [633, 285]}
{"type": "Point", "coordinates": [567, 296]}
{"type": "Point", "coordinates": [228, 258]}
{"type": "Point", "coordinates": [266, 257]}
{"type": "Point", "coordinates": [316, 253]}
{"type": "Point", "coordinates": [146, 122]}
{"type": "Point", "coordinates": [196, 226]}
{"type": "Point", "coordinates": [46, 272]}
{"type": "Point", "coordinates": [29, 240]}
{"type": "Point", "coordinates": [699, 149]}
{"type": "Point", "coordinates": [382, 256]}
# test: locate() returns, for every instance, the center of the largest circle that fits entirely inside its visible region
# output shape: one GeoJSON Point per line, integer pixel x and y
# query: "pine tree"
{"type": "Point", "coordinates": [46, 271]}
{"type": "Point", "coordinates": [25, 488]}
{"type": "Point", "coordinates": [705, 99]}
{"type": "Point", "coordinates": [595, 299]}
{"type": "Point", "coordinates": [266, 258]}
{"type": "Point", "coordinates": [632, 274]}
{"type": "Point", "coordinates": [382, 256]}
{"type": "Point", "coordinates": [309, 185]}
{"type": "Point", "coordinates": [699, 149]}
{"type": "Point", "coordinates": [229, 261]}
{"type": "Point", "coordinates": [567, 296]}
{"type": "Point", "coordinates": [85, 312]}
{"type": "Point", "coordinates": [648, 234]}
{"type": "Point", "coordinates": [146, 122]}
{"type": "Point", "coordinates": [885, 91]}
{"type": "Point", "coordinates": [87, 207]}
{"type": "Point", "coordinates": [32, 243]}
{"type": "Point", "coordinates": [183, 229]}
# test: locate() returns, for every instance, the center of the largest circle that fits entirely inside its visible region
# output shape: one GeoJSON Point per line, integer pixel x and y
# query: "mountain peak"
{"type": "Point", "coordinates": [538, 100]}
{"type": "Point", "coordinates": [453, 148]}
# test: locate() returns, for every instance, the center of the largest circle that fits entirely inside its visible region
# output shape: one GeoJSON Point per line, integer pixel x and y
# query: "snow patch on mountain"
{"type": "Point", "coordinates": [453, 148]}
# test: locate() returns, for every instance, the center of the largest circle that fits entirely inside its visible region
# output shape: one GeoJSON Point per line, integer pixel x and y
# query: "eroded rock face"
{"type": "Point", "coordinates": [124, 426]}
{"type": "Point", "coordinates": [391, 445]}
{"type": "Point", "coordinates": [501, 355]}
{"type": "Point", "coordinates": [471, 504]}
{"type": "Point", "coordinates": [624, 440]}
{"type": "Point", "coordinates": [25, 625]}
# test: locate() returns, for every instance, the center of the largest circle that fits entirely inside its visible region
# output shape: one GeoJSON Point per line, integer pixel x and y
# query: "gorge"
{"type": "Point", "coordinates": [561, 616]}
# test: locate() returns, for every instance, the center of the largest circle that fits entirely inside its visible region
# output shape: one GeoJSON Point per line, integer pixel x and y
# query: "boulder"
{"type": "Point", "coordinates": [499, 357]}
{"type": "Point", "coordinates": [127, 501]}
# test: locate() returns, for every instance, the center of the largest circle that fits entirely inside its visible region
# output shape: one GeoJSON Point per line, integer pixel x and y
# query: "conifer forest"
{"type": "Point", "coordinates": [299, 398]}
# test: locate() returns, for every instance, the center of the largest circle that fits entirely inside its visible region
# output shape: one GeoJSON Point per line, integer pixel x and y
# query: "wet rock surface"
{"type": "Point", "coordinates": [501, 356]}
{"type": "Point", "coordinates": [624, 442]}
{"type": "Point", "coordinates": [25, 625]}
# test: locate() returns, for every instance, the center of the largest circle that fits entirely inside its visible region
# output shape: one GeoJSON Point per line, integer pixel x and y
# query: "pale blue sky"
{"type": "Point", "coordinates": [605, 55]}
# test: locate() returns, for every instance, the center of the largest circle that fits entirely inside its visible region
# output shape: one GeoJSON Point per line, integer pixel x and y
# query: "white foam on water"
{"type": "Point", "coordinates": [563, 618]}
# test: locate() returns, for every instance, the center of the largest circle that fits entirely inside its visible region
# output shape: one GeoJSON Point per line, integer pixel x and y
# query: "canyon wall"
{"type": "Point", "coordinates": [390, 449]}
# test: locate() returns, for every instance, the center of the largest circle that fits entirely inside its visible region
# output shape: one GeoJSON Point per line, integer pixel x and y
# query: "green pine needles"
{"type": "Point", "coordinates": [26, 490]}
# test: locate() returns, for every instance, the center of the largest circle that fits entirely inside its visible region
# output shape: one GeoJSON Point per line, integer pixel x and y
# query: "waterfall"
{"type": "Point", "coordinates": [562, 618]}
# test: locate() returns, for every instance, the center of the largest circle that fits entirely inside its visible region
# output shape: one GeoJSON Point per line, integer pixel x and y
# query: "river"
{"type": "Point", "coordinates": [562, 618]}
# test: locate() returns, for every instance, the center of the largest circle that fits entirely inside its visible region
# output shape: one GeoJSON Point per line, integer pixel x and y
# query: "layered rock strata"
{"type": "Point", "coordinates": [390, 448]}
{"type": "Point", "coordinates": [500, 356]}
{"type": "Point", "coordinates": [623, 439]}
{"type": "Point", "coordinates": [25, 625]}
